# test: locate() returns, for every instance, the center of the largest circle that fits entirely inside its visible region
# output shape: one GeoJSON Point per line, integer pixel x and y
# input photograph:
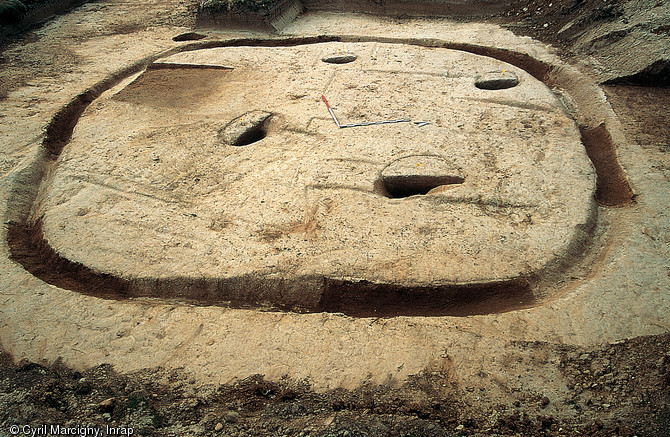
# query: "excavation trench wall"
{"type": "Point", "coordinates": [282, 12]}
{"type": "Point", "coordinates": [274, 17]}
{"type": "Point", "coordinates": [600, 135]}
{"type": "Point", "coordinates": [39, 14]}
{"type": "Point", "coordinates": [413, 8]}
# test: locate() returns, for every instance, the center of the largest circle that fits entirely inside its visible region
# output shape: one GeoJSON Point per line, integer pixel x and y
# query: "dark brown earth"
{"type": "Point", "coordinates": [616, 390]}
{"type": "Point", "coordinates": [570, 25]}
{"type": "Point", "coordinates": [621, 389]}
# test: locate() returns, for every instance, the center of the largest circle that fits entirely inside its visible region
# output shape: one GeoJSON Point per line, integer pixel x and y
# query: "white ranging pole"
{"type": "Point", "coordinates": [368, 123]}
{"type": "Point", "coordinates": [331, 111]}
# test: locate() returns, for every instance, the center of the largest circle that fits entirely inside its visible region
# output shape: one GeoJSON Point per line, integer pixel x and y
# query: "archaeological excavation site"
{"type": "Point", "coordinates": [335, 218]}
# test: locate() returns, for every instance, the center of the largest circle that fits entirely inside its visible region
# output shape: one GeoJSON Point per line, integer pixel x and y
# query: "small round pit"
{"type": "Point", "coordinates": [340, 58]}
{"type": "Point", "coordinates": [188, 36]}
{"type": "Point", "coordinates": [497, 80]}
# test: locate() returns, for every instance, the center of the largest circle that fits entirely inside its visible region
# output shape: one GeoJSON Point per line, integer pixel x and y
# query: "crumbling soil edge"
{"type": "Point", "coordinates": [29, 248]}
{"type": "Point", "coordinates": [38, 14]}
{"type": "Point", "coordinates": [254, 16]}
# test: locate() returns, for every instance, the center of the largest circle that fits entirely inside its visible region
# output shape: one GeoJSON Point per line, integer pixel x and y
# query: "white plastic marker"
{"type": "Point", "coordinates": [368, 123]}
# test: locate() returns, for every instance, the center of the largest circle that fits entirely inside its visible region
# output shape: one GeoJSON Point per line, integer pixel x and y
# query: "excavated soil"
{"type": "Point", "coordinates": [590, 358]}
{"type": "Point", "coordinates": [617, 390]}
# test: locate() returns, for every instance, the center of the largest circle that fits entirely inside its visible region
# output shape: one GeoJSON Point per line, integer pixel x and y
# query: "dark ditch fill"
{"type": "Point", "coordinates": [366, 299]}
{"type": "Point", "coordinates": [612, 187]}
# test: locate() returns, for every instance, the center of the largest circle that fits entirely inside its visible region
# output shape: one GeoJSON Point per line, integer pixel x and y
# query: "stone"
{"type": "Point", "coordinates": [218, 427]}
{"type": "Point", "coordinates": [232, 417]}
{"type": "Point", "coordinates": [107, 404]}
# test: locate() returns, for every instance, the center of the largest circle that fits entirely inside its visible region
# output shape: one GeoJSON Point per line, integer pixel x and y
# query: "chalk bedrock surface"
{"type": "Point", "coordinates": [146, 188]}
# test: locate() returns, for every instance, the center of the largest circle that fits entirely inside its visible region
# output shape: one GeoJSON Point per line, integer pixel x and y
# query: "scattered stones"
{"type": "Point", "coordinates": [378, 412]}
{"type": "Point", "coordinates": [288, 394]}
{"type": "Point", "coordinates": [497, 80]}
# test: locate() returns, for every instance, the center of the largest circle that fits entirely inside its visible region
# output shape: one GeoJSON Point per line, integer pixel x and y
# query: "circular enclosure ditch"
{"type": "Point", "coordinates": [294, 224]}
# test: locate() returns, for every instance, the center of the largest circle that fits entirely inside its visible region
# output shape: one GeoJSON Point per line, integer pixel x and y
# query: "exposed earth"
{"type": "Point", "coordinates": [302, 205]}
{"type": "Point", "coordinates": [583, 350]}
{"type": "Point", "coordinates": [618, 390]}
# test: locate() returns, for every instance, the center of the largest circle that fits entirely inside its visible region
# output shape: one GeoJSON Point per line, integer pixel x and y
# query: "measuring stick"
{"type": "Point", "coordinates": [332, 114]}
{"type": "Point", "coordinates": [370, 123]}
{"type": "Point", "coordinates": [367, 123]}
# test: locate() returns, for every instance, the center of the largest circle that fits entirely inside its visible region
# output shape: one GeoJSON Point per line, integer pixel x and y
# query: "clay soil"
{"type": "Point", "coordinates": [620, 389]}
